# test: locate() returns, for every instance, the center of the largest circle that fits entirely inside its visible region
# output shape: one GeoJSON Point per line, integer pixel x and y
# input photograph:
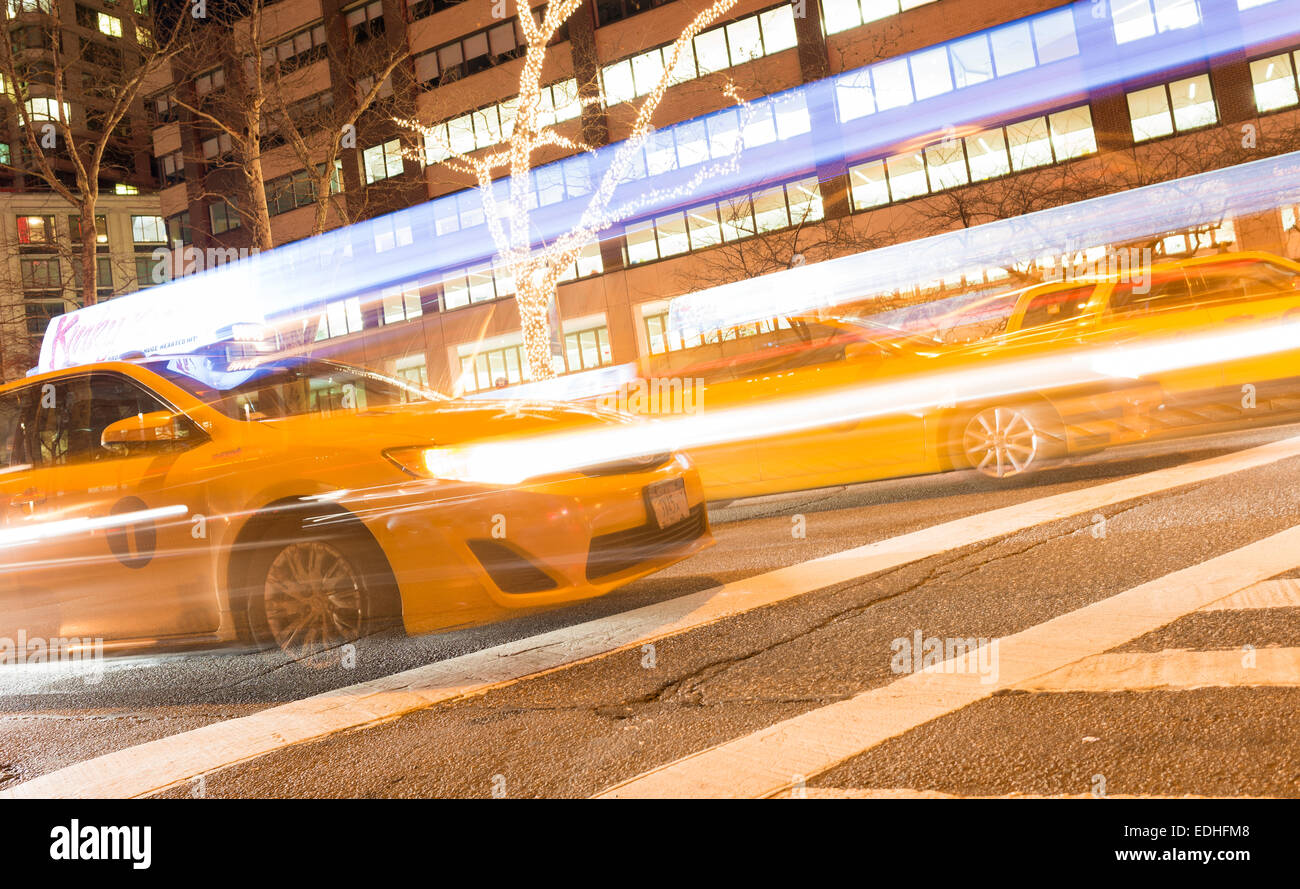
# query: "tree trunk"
{"type": "Point", "coordinates": [259, 213]}
{"type": "Point", "coordinates": [534, 291]}
{"type": "Point", "coordinates": [89, 255]}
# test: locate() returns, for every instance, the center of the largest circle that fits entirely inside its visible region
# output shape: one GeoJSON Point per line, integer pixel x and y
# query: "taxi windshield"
{"type": "Point", "coordinates": [269, 390]}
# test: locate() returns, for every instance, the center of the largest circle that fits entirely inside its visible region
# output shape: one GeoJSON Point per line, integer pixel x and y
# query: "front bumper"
{"type": "Point", "coordinates": [464, 554]}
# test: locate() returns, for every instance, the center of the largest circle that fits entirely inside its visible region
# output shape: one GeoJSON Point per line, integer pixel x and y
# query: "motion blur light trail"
{"type": "Point", "coordinates": [300, 278]}
{"type": "Point", "coordinates": [517, 460]}
{"type": "Point", "coordinates": [1248, 188]}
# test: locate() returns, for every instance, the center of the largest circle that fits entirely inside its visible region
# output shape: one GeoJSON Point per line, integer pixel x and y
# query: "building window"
{"type": "Point", "coordinates": [40, 273]}
{"type": "Point", "coordinates": [1172, 107]}
{"type": "Point", "coordinates": [210, 81]}
{"type": "Point", "coordinates": [101, 229]}
{"type": "Point", "coordinates": [413, 369]}
{"type": "Point", "coordinates": [423, 8]}
{"type": "Point", "coordinates": [144, 272]}
{"type": "Point", "coordinates": [148, 230]}
{"type": "Point", "coordinates": [36, 230]}
{"type": "Point", "coordinates": [218, 147]}
{"type": "Point", "coordinates": [491, 368]}
{"type": "Point", "coordinates": [471, 54]}
{"type": "Point", "coordinates": [1274, 79]}
{"type": "Point", "coordinates": [608, 11]}
{"type": "Point", "coordinates": [48, 109]}
{"type": "Point", "coordinates": [295, 51]}
{"type": "Point", "coordinates": [125, 188]}
{"type": "Point", "coordinates": [4, 153]}
{"type": "Point", "coordinates": [401, 303]}
{"type": "Point", "coordinates": [659, 339]}
{"type": "Point", "coordinates": [224, 217]}
{"type": "Point", "coordinates": [172, 168]}
{"type": "Point", "coordinates": [587, 349]}
{"type": "Point", "coordinates": [163, 108]}
{"type": "Point", "coordinates": [366, 22]}
{"type": "Point", "coordinates": [340, 319]}
{"type": "Point", "coordinates": [382, 161]}
{"type": "Point", "coordinates": [999, 52]}
{"type": "Point", "coordinates": [717, 49]}
{"type": "Point", "coordinates": [841, 15]}
{"type": "Point", "coordinates": [178, 228]}
{"type": "Point", "coordinates": [1135, 19]}
{"type": "Point", "coordinates": [987, 154]}
{"type": "Point", "coordinates": [715, 222]}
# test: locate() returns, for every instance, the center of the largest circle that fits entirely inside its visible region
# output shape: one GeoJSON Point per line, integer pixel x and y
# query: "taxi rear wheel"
{"type": "Point", "coordinates": [1001, 441]}
{"type": "Point", "coordinates": [310, 595]}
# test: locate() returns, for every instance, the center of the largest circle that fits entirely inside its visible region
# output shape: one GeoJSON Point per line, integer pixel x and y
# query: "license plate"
{"type": "Point", "coordinates": [668, 502]}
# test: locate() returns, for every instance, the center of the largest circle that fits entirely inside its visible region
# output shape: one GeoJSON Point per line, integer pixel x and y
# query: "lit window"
{"type": "Point", "coordinates": [1054, 36]}
{"type": "Point", "coordinates": [647, 71]}
{"type": "Point", "coordinates": [737, 218]}
{"type": "Point", "coordinates": [930, 73]}
{"type": "Point", "coordinates": [148, 230]}
{"type": "Point", "coordinates": [401, 303]}
{"type": "Point", "coordinates": [1030, 144]}
{"type": "Point", "coordinates": [1275, 82]}
{"type": "Point", "coordinates": [1013, 49]}
{"type": "Point", "coordinates": [640, 238]}
{"type": "Point", "coordinates": [671, 232]}
{"type": "Point", "coordinates": [745, 40]}
{"type": "Point", "coordinates": [711, 51]}
{"type": "Point", "coordinates": [947, 165]}
{"type": "Point", "coordinates": [778, 29]}
{"type": "Point", "coordinates": [854, 96]}
{"type": "Point", "coordinates": [1072, 133]}
{"type": "Point", "coordinates": [618, 82]}
{"type": "Point", "coordinates": [1135, 19]}
{"type": "Point", "coordinates": [36, 229]}
{"type": "Point", "coordinates": [770, 210]}
{"type": "Point", "coordinates": [382, 161]}
{"type": "Point", "coordinates": [125, 188]}
{"type": "Point", "coordinates": [906, 176]}
{"type": "Point", "coordinates": [971, 61]}
{"type": "Point", "coordinates": [110, 25]}
{"type": "Point", "coordinates": [868, 186]}
{"type": "Point", "coordinates": [988, 156]}
{"type": "Point", "coordinates": [893, 84]}
{"type": "Point", "coordinates": [805, 200]}
{"type": "Point", "coordinates": [1182, 105]}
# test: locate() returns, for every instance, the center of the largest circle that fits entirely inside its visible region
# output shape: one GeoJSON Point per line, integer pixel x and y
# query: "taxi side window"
{"type": "Point", "coordinates": [16, 427]}
{"type": "Point", "coordinates": [1055, 306]}
{"type": "Point", "coordinates": [1134, 299]}
{"type": "Point", "coordinates": [69, 430]}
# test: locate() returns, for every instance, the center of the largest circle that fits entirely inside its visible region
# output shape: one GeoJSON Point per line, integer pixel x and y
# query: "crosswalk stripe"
{"type": "Point", "coordinates": [1281, 593]}
{"type": "Point", "coordinates": [1173, 670]}
{"type": "Point", "coordinates": [175, 759]}
{"type": "Point", "coordinates": [777, 757]}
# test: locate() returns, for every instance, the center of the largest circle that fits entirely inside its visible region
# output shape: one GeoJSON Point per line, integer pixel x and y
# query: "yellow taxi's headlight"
{"type": "Point", "coordinates": [444, 463]}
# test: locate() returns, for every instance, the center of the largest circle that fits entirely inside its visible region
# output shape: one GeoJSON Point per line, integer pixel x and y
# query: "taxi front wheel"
{"type": "Point", "coordinates": [310, 596]}
{"type": "Point", "coordinates": [1005, 440]}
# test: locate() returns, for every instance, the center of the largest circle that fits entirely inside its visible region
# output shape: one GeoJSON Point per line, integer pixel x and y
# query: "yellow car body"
{"type": "Point", "coordinates": [137, 521]}
{"type": "Point", "coordinates": [848, 358]}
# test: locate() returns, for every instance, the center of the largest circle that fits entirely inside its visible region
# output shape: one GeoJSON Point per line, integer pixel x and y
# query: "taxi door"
{"type": "Point", "coordinates": [129, 566]}
{"type": "Point", "coordinates": [26, 606]}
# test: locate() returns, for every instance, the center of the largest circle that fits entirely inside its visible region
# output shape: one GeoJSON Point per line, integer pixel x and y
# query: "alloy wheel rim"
{"type": "Point", "coordinates": [313, 598]}
{"type": "Point", "coordinates": [1001, 441]}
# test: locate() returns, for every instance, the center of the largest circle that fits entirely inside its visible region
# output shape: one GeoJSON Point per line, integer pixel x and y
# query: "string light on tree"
{"type": "Point", "coordinates": [537, 269]}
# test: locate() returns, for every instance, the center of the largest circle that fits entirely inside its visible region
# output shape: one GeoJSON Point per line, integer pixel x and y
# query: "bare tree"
{"type": "Point", "coordinates": [101, 58]}
{"type": "Point", "coordinates": [537, 268]}
{"type": "Point", "coordinates": [255, 112]}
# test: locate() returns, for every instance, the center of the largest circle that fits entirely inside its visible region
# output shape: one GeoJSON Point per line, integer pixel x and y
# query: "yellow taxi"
{"type": "Point", "coordinates": [1005, 404]}
{"type": "Point", "coordinates": [301, 503]}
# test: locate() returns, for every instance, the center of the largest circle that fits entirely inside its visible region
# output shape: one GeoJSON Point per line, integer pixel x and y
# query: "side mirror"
{"type": "Point", "coordinates": [155, 426]}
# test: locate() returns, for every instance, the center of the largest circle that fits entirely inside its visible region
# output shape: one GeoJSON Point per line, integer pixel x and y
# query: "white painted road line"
{"type": "Point", "coordinates": [780, 756]}
{"type": "Point", "coordinates": [158, 764]}
{"type": "Point", "coordinates": [1281, 593]}
{"type": "Point", "coordinates": [1174, 670]}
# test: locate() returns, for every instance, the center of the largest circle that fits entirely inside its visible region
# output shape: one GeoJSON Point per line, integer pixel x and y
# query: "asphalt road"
{"type": "Point", "coordinates": [598, 721]}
